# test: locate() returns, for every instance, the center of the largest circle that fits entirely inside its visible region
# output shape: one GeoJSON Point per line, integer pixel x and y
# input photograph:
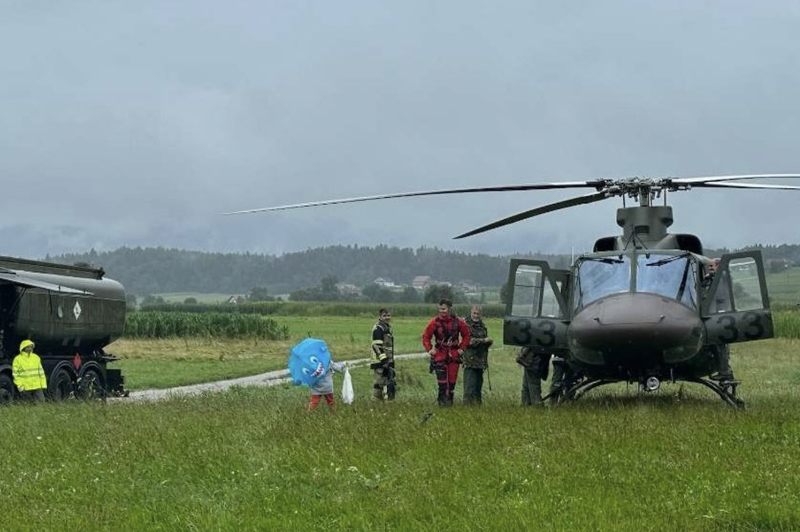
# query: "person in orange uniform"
{"type": "Point", "coordinates": [445, 338]}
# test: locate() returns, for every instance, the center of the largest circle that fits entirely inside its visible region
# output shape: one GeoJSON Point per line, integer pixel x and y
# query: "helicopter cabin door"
{"type": "Point", "coordinates": [736, 306]}
{"type": "Point", "coordinates": [536, 312]}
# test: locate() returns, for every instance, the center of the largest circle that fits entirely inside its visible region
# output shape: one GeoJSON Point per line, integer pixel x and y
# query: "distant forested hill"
{"type": "Point", "coordinates": [158, 270]}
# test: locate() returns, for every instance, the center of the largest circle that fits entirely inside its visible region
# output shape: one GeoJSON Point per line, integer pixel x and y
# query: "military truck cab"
{"type": "Point", "coordinates": [71, 313]}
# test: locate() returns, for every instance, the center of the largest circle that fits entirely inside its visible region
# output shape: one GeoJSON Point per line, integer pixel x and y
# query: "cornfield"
{"type": "Point", "coordinates": [312, 308]}
{"type": "Point", "coordinates": [209, 324]}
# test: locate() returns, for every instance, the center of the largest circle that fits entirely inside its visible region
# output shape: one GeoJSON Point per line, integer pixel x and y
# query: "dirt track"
{"type": "Point", "coordinates": [271, 378]}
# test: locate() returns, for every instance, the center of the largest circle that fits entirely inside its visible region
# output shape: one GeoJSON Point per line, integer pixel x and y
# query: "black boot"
{"type": "Point", "coordinates": [391, 391]}
{"type": "Point", "coordinates": [441, 399]}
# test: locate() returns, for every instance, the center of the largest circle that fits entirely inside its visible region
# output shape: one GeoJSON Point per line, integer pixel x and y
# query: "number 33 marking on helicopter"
{"type": "Point", "coordinates": [753, 320]}
{"type": "Point", "coordinates": [543, 335]}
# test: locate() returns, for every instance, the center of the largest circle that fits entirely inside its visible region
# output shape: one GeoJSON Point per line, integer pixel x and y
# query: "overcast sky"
{"type": "Point", "coordinates": [139, 123]}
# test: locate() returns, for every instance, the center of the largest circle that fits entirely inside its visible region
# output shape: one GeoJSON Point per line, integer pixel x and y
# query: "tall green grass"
{"type": "Point", "coordinates": [786, 323]}
{"type": "Point", "coordinates": [784, 287]}
{"type": "Point", "coordinates": [253, 459]}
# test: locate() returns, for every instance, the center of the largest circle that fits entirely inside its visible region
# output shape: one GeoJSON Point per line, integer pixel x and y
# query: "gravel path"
{"type": "Point", "coordinates": [271, 378]}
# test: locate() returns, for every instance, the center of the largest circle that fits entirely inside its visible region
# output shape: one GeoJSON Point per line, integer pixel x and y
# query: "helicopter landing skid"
{"type": "Point", "coordinates": [574, 391]}
{"type": "Point", "coordinates": [726, 390]}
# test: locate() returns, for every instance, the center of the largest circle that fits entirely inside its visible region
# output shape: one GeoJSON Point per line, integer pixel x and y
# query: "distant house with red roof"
{"type": "Point", "coordinates": [421, 282]}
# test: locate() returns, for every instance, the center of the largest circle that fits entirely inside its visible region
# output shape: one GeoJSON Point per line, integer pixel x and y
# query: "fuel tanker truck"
{"type": "Point", "coordinates": [71, 313]}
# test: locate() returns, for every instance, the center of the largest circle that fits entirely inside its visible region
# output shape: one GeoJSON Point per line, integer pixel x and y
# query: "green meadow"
{"type": "Point", "coordinates": [165, 363]}
{"type": "Point", "coordinates": [783, 286]}
{"type": "Point", "coordinates": [254, 459]}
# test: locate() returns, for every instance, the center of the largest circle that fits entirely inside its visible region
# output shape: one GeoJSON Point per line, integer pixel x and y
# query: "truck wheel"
{"type": "Point", "coordinates": [61, 386]}
{"type": "Point", "coordinates": [6, 389]}
{"type": "Point", "coordinates": [91, 385]}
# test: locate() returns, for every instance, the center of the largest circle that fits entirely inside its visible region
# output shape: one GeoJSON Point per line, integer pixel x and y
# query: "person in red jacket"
{"type": "Point", "coordinates": [451, 336]}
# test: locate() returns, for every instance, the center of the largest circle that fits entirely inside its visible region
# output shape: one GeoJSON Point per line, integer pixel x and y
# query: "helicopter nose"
{"type": "Point", "coordinates": [648, 328]}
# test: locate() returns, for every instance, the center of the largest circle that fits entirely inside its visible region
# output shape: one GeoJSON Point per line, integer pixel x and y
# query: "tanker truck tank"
{"type": "Point", "coordinates": [72, 313]}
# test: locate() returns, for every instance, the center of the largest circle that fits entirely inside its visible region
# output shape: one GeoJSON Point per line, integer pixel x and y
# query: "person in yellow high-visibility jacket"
{"type": "Point", "coordinates": [28, 373]}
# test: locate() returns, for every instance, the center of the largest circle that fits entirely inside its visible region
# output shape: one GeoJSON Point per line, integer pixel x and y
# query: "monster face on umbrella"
{"type": "Point", "coordinates": [309, 361]}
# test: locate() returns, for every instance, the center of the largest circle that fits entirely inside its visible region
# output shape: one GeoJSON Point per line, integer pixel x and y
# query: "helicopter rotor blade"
{"type": "Point", "coordinates": [505, 188]}
{"type": "Point", "coordinates": [696, 181]}
{"type": "Point", "coordinates": [544, 209]}
{"type": "Point", "coordinates": [745, 185]}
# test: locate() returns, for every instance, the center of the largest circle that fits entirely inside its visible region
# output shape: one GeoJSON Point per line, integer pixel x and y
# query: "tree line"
{"type": "Point", "coordinates": [156, 270]}
{"type": "Point", "coordinates": [145, 271]}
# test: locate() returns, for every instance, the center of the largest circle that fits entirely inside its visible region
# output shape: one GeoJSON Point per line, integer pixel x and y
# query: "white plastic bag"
{"type": "Point", "coordinates": [347, 388]}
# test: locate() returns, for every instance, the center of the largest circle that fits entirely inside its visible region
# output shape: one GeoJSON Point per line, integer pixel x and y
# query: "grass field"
{"type": "Point", "coordinates": [784, 287]}
{"type": "Point", "coordinates": [177, 362]}
{"type": "Point", "coordinates": [253, 459]}
{"type": "Point", "coordinates": [180, 297]}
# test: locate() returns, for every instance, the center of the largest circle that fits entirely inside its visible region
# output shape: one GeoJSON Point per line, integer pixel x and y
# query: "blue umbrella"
{"type": "Point", "coordinates": [309, 361]}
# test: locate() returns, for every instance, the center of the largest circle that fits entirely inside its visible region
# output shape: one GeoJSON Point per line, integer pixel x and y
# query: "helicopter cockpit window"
{"type": "Point", "coordinates": [744, 280]}
{"type": "Point", "coordinates": [598, 277]}
{"type": "Point", "coordinates": [672, 276]}
{"type": "Point", "coordinates": [533, 295]}
{"type": "Point", "coordinates": [721, 300]}
{"type": "Point", "coordinates": [527, 288]}
{"type": "Point", "coordinates": [550, 307]}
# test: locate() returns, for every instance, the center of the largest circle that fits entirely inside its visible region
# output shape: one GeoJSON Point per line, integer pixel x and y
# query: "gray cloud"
{"type": "Point", "coordinates": [139, 123]}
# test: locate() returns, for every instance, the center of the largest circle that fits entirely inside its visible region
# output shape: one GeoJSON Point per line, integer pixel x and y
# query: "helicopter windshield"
{"type": "Point", "coordinates": [672, 276]}
{"type": "Point", "coordinates": [598, 277]}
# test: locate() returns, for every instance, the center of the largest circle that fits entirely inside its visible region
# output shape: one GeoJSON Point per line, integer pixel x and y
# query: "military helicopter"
{"type": "Point", "coordinates": [640, 308]}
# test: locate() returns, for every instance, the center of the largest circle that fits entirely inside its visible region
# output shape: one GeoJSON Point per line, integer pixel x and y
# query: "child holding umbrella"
{"type": "Point", "coordinates": [310, 363]}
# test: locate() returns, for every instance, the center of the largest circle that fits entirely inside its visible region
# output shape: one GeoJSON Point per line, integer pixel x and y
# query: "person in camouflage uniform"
{"type": "Point", "coordinates": [476, 357]}
{"type": "Point", "coordinates": [722, 303]}
{"type": "Point", "coordinates": [536, 367]}
{"type": "Point", "coordinates": [563, 379]}
{"type": "Point", "coordinates": [384, 383]}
